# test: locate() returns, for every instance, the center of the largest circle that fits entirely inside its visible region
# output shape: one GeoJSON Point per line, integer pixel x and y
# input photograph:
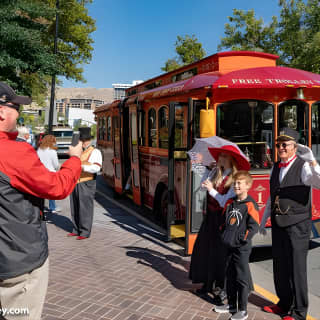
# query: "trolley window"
{"type": "Point", "coordinates": [134, 138]}
{"type": "Point", "coordinates": [152, 128]}
{"type": "Point", "coordinates": [109, 129]}
{"type": "Point", "coordinates": [142, 128]}
{"type": "Point", "coordinates": [180, 127]}
{"type": "Point", "coordinates": [163, 116]}
{"type": "Point", "coordinates": [102, 128]}
{"type": "Point", "coordinates": [250, 125]}
{"type": "Point", "coordinates": [315, 135]}
{"type": "Point", "coordinates": [293, 114]}
{"type": "Point", "coordinates": [100, 132]}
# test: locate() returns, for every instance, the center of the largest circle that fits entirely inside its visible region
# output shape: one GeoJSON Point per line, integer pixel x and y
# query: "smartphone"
{"type": "Point", "coordinates": [75, 138]}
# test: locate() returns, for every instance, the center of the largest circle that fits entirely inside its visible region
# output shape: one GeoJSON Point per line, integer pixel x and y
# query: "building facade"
{"type": "Point", "coordinates": [119, 89]}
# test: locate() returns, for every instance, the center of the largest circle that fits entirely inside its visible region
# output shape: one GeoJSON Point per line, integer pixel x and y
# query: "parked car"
{"type": "Point", "coordinates": [64, 137]}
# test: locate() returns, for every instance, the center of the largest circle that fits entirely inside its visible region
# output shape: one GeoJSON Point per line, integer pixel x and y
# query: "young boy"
{"type": "Point", "coordinates": [241, 224]}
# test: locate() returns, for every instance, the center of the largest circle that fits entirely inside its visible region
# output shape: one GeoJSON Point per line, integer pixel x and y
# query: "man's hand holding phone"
{"type": "Point", "coordinates": [75, 151]}
{"type": "Point", "coordinates": [76, 145]}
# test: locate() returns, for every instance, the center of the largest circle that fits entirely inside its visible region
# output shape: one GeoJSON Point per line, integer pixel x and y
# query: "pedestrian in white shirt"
{"type": "Point", "coordinates": [48, 156]}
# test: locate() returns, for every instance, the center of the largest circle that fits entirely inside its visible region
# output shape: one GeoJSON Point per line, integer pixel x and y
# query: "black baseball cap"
{"type": "Point", "coordinates": [8, 95]}
{"type": "Point", "coordinates": [287, 134]}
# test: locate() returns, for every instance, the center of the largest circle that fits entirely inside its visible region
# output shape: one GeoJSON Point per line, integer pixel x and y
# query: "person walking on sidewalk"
{"type": "Point", "coordinates": [48, 156]}
{"type": "Point", "coordinates": [24, 183]}
{"type": "Point", "coordinates": [241, 224]}
{"type": "Point", "coordinates": [290, 208]}
{"type": "Point", "coordinates": [82, 198]}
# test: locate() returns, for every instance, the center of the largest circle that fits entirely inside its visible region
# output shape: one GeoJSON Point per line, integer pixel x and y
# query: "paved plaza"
{"type": "Point", "coordinates": [124, 271]}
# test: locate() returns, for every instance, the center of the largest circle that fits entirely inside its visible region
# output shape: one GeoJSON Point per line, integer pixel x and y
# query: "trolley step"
{"type": "Point", "coordinates": [178, 231]}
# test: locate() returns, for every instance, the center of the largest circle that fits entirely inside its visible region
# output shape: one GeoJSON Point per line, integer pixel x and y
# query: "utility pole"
{"type": "Point", "coordinates": [53, 81]}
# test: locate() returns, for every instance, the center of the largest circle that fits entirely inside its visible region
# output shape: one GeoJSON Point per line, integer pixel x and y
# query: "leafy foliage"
{"type": "Point", "coordinates": [27, 29]}
{"type": "Point", "coordinates": [295, 37]}
{"type": "Point", "coordinates": [189, 50]}
{"type": "Point", "coordinates": [170, 65]}
{"type": "Point", "coordinates": [245, 32]}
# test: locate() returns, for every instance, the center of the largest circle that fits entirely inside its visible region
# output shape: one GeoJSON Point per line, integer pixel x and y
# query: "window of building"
{"type": "Point", "coordinates": [119, 93]}
{"type": "Point", "coordinates": [250, 125]}
{"type": "Point", "coordinates": [163, 116]}
{"type": "Point", "coordinates": [152, 128]}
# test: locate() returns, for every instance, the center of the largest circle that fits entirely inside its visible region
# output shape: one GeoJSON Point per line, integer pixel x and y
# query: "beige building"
{"type": "Point", "coordinates": [81, 98]}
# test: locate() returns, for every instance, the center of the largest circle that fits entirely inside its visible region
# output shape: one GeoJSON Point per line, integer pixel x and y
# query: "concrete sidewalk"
{"type": "Point", "coordinates": [124, 271]}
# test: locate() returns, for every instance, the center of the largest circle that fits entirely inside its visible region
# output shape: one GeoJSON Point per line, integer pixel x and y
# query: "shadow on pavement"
{"type": "Point", "coordinates": [132, 224]}
{"type": "Point", "coordinates": [314, 244]}
{"type": "Point", "coordinates": [60, 221]}
{"type": "Point", "coordinates": [164, 264]}
{"type": "Point", "coordinates": [261, 254]}
{"type": "Point", "coordinates": [265, 253]}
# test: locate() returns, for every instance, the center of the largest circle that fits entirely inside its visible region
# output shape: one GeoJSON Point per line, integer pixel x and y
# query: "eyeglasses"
{"type": "Point", "coordinates": [283, 145]}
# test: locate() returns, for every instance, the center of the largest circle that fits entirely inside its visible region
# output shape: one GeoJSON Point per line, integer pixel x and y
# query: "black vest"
{"type": "Point", "coordinates": [293, 195]}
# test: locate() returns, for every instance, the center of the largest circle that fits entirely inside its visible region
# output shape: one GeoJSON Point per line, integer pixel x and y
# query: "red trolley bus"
{"type": "Point", "coordinates": [144, 138]}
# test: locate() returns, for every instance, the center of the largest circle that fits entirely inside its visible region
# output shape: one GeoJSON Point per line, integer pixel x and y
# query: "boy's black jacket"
{"type": "Point", "coordinates": [241, 222]}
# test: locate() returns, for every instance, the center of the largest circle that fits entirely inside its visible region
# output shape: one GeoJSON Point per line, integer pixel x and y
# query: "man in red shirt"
{"type": "Point", "coordinates": [24, 183]}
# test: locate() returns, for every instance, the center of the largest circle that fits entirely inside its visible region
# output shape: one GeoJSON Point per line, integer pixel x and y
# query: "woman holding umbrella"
{"type": "Point", "coordinates": [208, 261]}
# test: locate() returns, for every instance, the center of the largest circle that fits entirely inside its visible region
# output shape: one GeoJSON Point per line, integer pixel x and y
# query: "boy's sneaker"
{"type": "Point", "coordinates": [240, 315]}
{"type": "Point", "coordinates": [225, 308]}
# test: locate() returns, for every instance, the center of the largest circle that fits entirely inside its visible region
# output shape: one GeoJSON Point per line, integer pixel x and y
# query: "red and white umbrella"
{"type": "Point", "coordinates": [206, 151]}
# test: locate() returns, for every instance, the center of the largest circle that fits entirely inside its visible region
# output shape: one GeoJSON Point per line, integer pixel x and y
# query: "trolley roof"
{"type": "Point", "coordinates": [247, 74]}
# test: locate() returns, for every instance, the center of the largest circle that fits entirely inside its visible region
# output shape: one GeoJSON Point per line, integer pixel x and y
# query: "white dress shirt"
{"type": "Point", "coordinates": [96, 160]}
{"type": "Point", "coordinates": [310, 176]}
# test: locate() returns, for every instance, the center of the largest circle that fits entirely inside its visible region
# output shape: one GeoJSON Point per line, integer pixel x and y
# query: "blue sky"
{"type": "Point", "coordinates": [134, 38]}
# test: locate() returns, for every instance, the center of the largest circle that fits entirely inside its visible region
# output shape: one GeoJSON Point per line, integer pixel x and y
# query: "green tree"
{"type": "Point", "coordinates": [295, 36]}
{"type": "Point", "coordinates": [189, 50]}
{"type": "Point", "coordinates": [27, 29]}
{"type": "Point", "coordinates": [94, 130]}
{"type": "Point", "coordinates": [74, 40]}
{"type": "Point", "coordinates": [23, 53]}
{"type": "Point", "coordinates": [170, 65]}
{"type": "Point", "coordinates": [245, 32]}
{"type": "Point", "coordinates": [299, 34]}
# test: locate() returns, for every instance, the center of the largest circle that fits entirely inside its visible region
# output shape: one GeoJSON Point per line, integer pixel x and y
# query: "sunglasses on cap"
{"type": "Point", "coordinates": [283, 145]}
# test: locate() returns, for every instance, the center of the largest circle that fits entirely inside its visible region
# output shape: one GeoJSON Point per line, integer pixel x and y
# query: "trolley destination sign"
{"type": "Point", "coordinates": [276, 81]}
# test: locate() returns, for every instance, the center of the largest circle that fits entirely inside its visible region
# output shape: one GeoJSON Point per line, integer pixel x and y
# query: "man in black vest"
{"type": "Point", "coordinates": [290, 208]}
